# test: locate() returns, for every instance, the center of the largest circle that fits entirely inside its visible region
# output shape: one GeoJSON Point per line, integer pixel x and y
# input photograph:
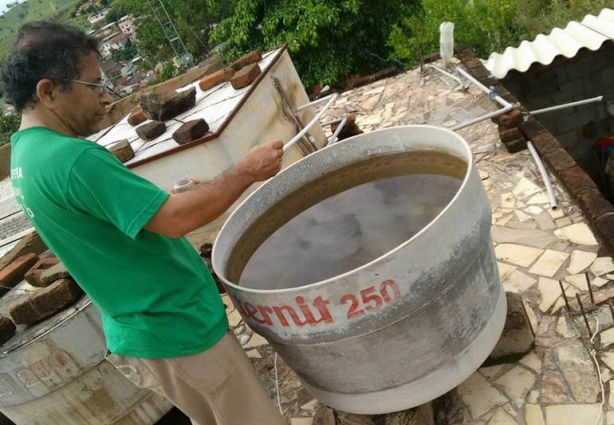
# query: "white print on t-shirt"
{"type": "Point", "coordinates": [17, 174]}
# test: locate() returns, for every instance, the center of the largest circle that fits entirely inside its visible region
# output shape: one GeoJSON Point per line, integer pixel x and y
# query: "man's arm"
{"type": "Point", "coordinates": [184, 212]}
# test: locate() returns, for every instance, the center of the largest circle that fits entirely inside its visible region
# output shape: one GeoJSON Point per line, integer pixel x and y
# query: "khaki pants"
{"type": "Point", "coordinates": [216, 387]}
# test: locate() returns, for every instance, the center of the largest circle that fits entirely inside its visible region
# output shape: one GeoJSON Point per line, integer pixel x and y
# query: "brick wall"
{"type": "Point", "coordinates": [587, 75]}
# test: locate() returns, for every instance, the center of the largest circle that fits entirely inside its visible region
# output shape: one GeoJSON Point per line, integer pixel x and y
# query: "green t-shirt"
{"type": "Point", "coordinates": [155, 294]}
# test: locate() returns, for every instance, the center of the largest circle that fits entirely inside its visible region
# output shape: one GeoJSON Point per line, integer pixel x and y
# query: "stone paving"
{"type": "Point", "coordinates": [557, 383]}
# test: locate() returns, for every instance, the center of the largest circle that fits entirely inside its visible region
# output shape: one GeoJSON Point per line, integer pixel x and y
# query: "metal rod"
{"type": "Point", "coordinates": [481, 86]}
{"type": "Point", "coordinates": [287, 103]}
{"type": "Point", "coordinates": [446, 73]}
{"type": "Point", "coordinates": [564, 296]}
{"type": "Point", "coordinates": [544, 174]}
{"type": "Point", "coordinates": [482, 118]}
{"type": "Point", "coordinates": [590, 290]}
{"type": "Point", "coordinates": [315, 119]}
{"type": "Point", "coordinates": [333, 138]}
{"type": "Point", "coordinates": [506, 105]}
{"type": "Point", "coordinates": [314, 103]}
{"type": "Point", "coordinates": [568, 105]}
{"type": "Point", "coordinates": [584, 314]}
{"type": "Point", "coordinates": [611, 309]}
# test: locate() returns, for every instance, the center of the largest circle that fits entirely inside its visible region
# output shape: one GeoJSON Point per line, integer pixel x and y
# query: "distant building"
{"type": "Point", "coordinates": [97, 17]}
{"type": "Point", "coordinates": [114, 41]}
{"type": "Point", "coordinates": [127, 26]}
{"type": "Point", "coordinates": [105, 31]}
{"type": "Point", "coordinates": [111, 68]}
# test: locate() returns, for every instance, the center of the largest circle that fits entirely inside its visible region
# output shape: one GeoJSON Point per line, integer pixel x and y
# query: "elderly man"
{"type": "Point", "coordinates": [121, 236]}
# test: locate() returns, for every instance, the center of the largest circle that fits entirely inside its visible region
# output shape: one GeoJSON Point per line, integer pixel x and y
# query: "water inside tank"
{"type": "Point", "coordinates": [355, 225]}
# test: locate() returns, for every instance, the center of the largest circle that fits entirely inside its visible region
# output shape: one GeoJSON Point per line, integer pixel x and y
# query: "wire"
{"type": "Point", "coordinates": [277, 385]}
{"type": "Point", "coordinates": [593, 354]}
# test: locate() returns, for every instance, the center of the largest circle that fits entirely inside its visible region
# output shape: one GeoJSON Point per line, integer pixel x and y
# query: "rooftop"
{"type": "Point", "coordinates": [555, 384]}
{"type": "Point", "coordinates": [590, 34]}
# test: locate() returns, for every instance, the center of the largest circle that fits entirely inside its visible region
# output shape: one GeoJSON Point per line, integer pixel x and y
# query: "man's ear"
{"type": "Point", "coordinates": [47, 92]}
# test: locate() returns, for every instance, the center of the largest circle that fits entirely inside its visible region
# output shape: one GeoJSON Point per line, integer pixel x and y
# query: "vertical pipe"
{"type": "Point", "coordinates": [544, 174]}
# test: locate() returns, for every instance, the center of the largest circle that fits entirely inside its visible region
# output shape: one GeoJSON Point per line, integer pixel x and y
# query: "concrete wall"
{"type": "Point", "coordinates": [587, 75]}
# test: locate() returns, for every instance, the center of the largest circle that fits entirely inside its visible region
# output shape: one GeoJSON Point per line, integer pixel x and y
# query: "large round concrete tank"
{"type": "Point", "coordinates": [54, 373]}
{"type": "Point", "coordinates": [394, 331]}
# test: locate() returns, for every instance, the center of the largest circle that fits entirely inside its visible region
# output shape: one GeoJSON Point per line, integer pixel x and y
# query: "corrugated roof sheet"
{"type": "Point", "coordinates": [591, 33]}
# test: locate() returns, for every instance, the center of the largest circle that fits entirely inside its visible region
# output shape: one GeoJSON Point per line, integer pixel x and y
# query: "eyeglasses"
{"type": "Point", "coordinates": [104, 84]}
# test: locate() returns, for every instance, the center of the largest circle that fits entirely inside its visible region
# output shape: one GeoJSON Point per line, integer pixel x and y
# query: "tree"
{"type": "Point", "coordinates": [190, 17]}
{"type": "Point", "coordinates": [127, 53]}
{"type": "Point", "coordinates": [9, 124]}
{"type": "Point", "coordinates": [328, 39]}
{"type": "Point", "coordinates": [484, 25]}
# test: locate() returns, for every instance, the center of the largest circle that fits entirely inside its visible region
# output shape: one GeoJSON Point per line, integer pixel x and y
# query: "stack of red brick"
{"type": "Point", "coordinates": [509, 130]}
{"type": "Point", "coordinates": [52, 288]}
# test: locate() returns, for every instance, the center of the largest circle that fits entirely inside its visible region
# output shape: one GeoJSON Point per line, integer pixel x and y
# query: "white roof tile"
{"type": "Point", "coordinates": [591, 33]}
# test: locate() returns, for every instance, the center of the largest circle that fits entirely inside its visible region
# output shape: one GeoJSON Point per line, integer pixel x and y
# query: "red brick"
{"type": "Point", "coordinates": [246, 76]}
{"type": "Point", "coordinates": [349, 129]}
{"type": "Point", "coordinates": [605, 230]}
{"type": "Point", "coordinates": [12, 274]}
{"type": "Point", "coordinates": [545, 143]}
{"type": "Point", "coordinates": [217, 78]}
{"type": "Point", "coordinates": [33, 276]}
{"type": "Point", "coordinates": [32, 243]}
{"type": "Point", "coordinates": [122, 150]}
{"type": "Point", "coordinates": [594, 204]}
{"type": "Point", "coordinates": [531, 128]}
{"type": "Point", "coordinates": [509, 134]}
{"type": "Point", "coordinates": [246, 60]}
{"type": "Point", "coordinates": [517, 145]}
{"type": "Point", "coordinates": [54, 273]}
{"type": "Point", "coordinates": [45, 302]}
{"type": "Point", "coordinates": [190, 131]}
{"type": "Point", "coordinates": [431, 57]}
{"type": "Point", "coordinates": [510, 120]}
{"type": "Point", "coordinates": [559, 159]}
{"type": "Point", "coordinates": [161, 106]}
{"type": "Point", "coordinates": [576, 180]}
{"type": "Point", "coordinates": [151, 130]}
{"type": "Point", "coordinates": [137, 117]}
{"type": "Point", "coordinates": [7, 329]}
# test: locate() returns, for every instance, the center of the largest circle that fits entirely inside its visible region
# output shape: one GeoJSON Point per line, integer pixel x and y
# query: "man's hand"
{"type": "Point", "coordinates": [262, 162]}
{"type": "Point", "coordinates": [186, 211]}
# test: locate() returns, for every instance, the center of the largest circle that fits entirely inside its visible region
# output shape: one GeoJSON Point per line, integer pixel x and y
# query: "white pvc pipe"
{"type": "Point", "coordinates": [314, 103]}
{"type": "Point", "coordinates": [545, 178]}
{"type": "Point", "coordinates": [568, 105]}
{"type": "Point", "coordinates": [446, 73]}
{"type": "Point", "coordinates": [485, 89]}
{"type": "Point", "coordinates": [333, 138]}
{"type": "Point", "coordinates": [482, 118]}
{"type": "Point", "coordinates": [335, 121]}
{"type": "Point", "coordinates": [315, 119]}
{"type": "Point", "coordinates": [506, 105]}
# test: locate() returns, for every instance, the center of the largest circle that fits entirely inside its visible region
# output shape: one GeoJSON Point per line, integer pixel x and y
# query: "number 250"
{"type": "Point", "coordinates": [370, 300]}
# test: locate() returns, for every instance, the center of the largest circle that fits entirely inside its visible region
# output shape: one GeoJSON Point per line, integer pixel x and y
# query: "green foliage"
{"type": "Point", "coordinates": [328, 39]}
{"type": "Point", "coordinates": [127, 53]}
{"type": "Point", "coordinates": [541, 16]}
{"type": "Point", "coordinates": [27, 12]}
{"type": "Point", "coordinates": [192, 18]}
{"type": "Point", "coordinates": [9, 124]}
{"type": "Point", "coordinates": [168, 72]}
{"type": "Point", "coordinates": [484, 25]}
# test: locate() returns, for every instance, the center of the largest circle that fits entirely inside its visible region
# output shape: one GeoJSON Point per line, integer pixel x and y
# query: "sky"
{"type": "Point", "coordinates": [3, 4]}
